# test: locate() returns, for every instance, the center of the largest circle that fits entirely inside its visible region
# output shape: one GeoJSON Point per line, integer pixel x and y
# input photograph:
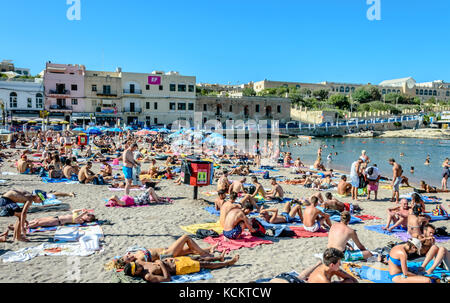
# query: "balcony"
{"type": "Point", "coordinates": [135, 111]}
{"type": "Point", "coordinates": [60, 108]}
{"type": "Point", "coordinates": [59, 92]}
{"type": "Point", "coordinates": [132, 91]}
{"type": "Point", "coordinates": [107, 93]}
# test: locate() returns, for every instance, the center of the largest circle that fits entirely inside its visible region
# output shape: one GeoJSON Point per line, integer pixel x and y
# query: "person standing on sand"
{"type": "Point", "coordinates": [128, 164]}
{"type": "Point", "coordinates": [355, 173]}
{"type": "Point", "coordinates": [396, 179]}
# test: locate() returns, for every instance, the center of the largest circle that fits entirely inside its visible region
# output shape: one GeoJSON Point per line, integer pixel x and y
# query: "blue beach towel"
{"type": "Point", "coordinates": [212, 210]}
{"type": "Point", "coordinates": [278, 228]}
{"type": "Point", "coordinates": [378, 229]}
{"type": "Point", "coordinates": [204, 274]}
{"type": "Point", "coordinates": [337, 218]}
{"type": "Point", "coordinates": [48, 202]}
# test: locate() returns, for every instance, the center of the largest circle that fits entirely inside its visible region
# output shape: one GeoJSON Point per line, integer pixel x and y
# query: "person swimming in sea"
{"type": "Point", "coordinates": [412, 170]}
{"type": "Point", "coordinates": [427, 160]}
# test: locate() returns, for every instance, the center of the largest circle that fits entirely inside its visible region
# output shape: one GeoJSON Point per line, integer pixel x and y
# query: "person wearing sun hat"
{"type": "Point", "coordinates": [398, 266]}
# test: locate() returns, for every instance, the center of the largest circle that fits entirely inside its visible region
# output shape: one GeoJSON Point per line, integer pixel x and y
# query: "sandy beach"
{"type": "Point", "coordinates": [158, 225]}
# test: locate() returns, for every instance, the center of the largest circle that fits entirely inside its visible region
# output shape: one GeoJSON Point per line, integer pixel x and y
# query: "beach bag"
{"type": "Point", "coordinates": [441, 232]}
{"type": "Point", "coordinates": [266, 175]}
{"type": "Point", "coordinates": [438, 211]}
{"type": "Point", "coordinates": [260, 230]}
{"type": "Point", "coordinates": [98, 181]}
{"type": "Point", "coordinates": [251, 189]}
{"type": "Point", "coordinates": [287, 233]}
{"type": "Point", "coordinates": [205, 233]}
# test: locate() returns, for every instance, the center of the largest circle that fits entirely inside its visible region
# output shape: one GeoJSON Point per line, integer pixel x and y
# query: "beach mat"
{"type": "Point", "coordinates": [123, 189]}
{"type": "Point", "coordinates": [367, 217]}
{"type": "Point", "coordinates": [300, 232]}
{"type": "Point", "coordinates": [73, 234]}
{"type": "Point", "coordinates": [48, 202]}
{"type": "Point", "coordinates": [226, 244]}
{"type": "Point", "coordinates": [212, 210]}
{"type": "Point", "coordinates": [425, 199]}
{"type": "Point", "coordinates": [193, 228]}
{"type": "Point", "coordinates": [337, 218]}
{"type": "Point", "coordinates": [204, 274]}
{"type": "Point", "coordinates": [279, 228]}
{"type": "Point", "coordinates": [53, 228]}
{"type": "Point", "coordinates": [376, 274]}
{"type": "Point", "coordinates": [62, 180]}
{"type": "Point", "coordinates": [399, 232]}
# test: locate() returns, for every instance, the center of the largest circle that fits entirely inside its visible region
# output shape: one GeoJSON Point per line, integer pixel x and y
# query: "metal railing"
{"type": "Point", "coordinates": [61, 107]}
{"type": "Point", "coordinates": [107, 93]}
{"type": "Point", "coordinates": [136, 110]}
{"type": "Point", "coordinates": [59, 92]}
{"type": "Point", "coordinates": [133, 92]}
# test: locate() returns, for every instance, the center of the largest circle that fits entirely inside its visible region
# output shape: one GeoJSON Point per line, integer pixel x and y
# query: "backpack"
{"type": "Point", "coordinates": [260, 230]}
{"type": "Point", "coordinates": [205, 233]}
{"type": "Point", "coordinates": [251, 189]}
{"type": "Point", "coordinates": [266, 175]}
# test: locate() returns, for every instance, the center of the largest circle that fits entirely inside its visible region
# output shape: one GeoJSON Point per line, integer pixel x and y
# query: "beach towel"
{"type": "Point", "coordinates": [165, 200]}
{"type": "Point", "coordinates": [193, 228]}
{"type": "Point", "coordinates": [337, 218]}
{"type": "Point", "coordinates": [437, 218]}
{"type": "Point", "coordinates": [279, 228]}
{"type": "Point", "coordinates": [261, 201]}
{"type": "Point", "coordinates": [377, 274]}
{"type": "Point", "coordinates": [300, 232]}
{"type": "Point", "coordinates": [265, 280]}
{"type": "Point", "coordinates": [404, 236]}
{"type": "Point", "coordinates": [46, 249]}
{"type": "Point", "coordinates": [62, 180]}
{"type": "Point", "coordinates": [53, 228]}
{"type": "Point", "coordinates": [48, 202]}
{"type": "Point", "coordinates": [367, 217]}
{"type": "Point", "coordinates": [72, 234]}
{"type": "Point", "coordinates": [246, 240]}
{"type": "Point", "coordinates": [212, 210]}
{"type": "Point", "coordinates": [204, 274]}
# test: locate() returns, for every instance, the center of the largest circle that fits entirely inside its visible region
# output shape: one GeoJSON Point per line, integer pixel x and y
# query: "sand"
{"type": "Point", "coordinates": [158, 225]}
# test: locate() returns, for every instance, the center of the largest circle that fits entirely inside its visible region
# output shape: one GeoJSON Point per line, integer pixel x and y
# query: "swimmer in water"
{"type": "Point", "coordinates": [427, 160]}
{"type": "Point", "coordinates": [402, 154]}
{"type": "Point", "coordinates": [412, 170]}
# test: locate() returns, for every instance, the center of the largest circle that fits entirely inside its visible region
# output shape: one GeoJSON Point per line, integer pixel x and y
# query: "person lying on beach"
{"type": "Point", "coordinates": [314, 218]}
{"type": "Point", "coordinates": [183, 246]}
{"type": "Point", "coordinates": [397, 262]}
{"type": "Point", "coordinates": [416, 221]}
{"type": "Point", "coordinates": [162, 270]}
{"type": "Point", "coordinates": [242, 170]}
{"type": "Point", "coordinates": [344, 188]}
{"type": "Point", "coordinates": [277, 192]}
{"type": "Point", "coordinates": [149, 196]}
{"type": "Point", "coordinates": [123, 184]}
{"type": "Point", "coordinates": [78, 216]}
{"type": "Point", "coordinates": [9, 207]}
{"type": "Point", "coordinates": [330, 268]}
{"type": "Point", "coordinates": [431, 189]}
{"type": "Point", "coordinates": [290, 278]}
{"type": "Point", "coordinates": [236, 221]}
{"type": "Point", "coordinates": [270, 215]}
{"type": "Point", "coordinates": [339, 235]}
{"type": "Point", "coordinates": [398, 215]}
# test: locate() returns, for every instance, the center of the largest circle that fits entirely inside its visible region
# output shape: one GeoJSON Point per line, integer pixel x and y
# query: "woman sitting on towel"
{"type": "Point", "coordinates": [78, 216]}
{"type": "Point", "coordinates": [416, 221]}
{"type": "Point", "coordinates": [398, 268]}
{"type": "Point", "coordinates": [183, 246]}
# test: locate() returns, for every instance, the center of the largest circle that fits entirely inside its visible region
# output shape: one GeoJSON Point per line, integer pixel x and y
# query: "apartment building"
{"type": "Point", "coordinates": [22, 97]}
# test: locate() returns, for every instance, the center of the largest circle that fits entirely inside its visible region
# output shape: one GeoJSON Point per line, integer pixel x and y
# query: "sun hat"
{"type": "Point", "coordinates": [416, 242]}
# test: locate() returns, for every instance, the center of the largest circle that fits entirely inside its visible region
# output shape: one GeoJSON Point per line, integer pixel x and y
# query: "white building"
{"type": "Point", "coordinates": [22, 97]}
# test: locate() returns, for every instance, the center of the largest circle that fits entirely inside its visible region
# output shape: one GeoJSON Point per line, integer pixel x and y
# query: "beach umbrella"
{"type": "Point", "coordinates": [128, 128]}
{"type": "Point", "coordinates": [164, 130]}
{"type": "Point", "coordinates": [182, 142]}
{"type": "Point", "coordinates": [79, 129]}
{"type": "Point", "coordinates": [93, 131]}
{"type": "Point", "coordinates": [104, 128]}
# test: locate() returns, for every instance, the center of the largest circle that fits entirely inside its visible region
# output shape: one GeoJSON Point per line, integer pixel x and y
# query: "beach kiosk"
{"type": "Point", "coordinates": [82, 139]}
{"type": "Point", "coordinates": [197, 173]}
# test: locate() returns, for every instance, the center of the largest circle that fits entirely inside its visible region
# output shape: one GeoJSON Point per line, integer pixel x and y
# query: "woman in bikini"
{"type": "Point", "coordinates": [416, 221]}
{"type": "Point", "coordinates": [78, 216]}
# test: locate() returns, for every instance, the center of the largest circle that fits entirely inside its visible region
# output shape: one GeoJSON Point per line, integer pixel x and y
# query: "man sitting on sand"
{"type": "Point", "coordinates": [331, 267]}
{"type": "Point", "coordinates": [69, 171]}
{"type": "Point", "coordinates": [162, 270]}
{"type": "Point", "coordinates": [86, 175]}
{"type": "Point", "coordinates": [344, 188]}
{"type": "Point", "coordinates": [236, 221]}
{"type": "Point", "coordinates": [287, 216]}
{"type": "Point", "coordinates": [220, 199]}
{"type": "Point", "coordinates": [237, 186]}
{"type": "Point", "coordinates": [24, 166]}
{"type": "Point", "coordinates": [10, 208]}
{"type": "Point", "coordinates": [430, 250]}
{"type": "Point", "coordinates": [339, 235]}
{"type": "Point", "coordinates": [78, 216]}
{"type": "Point", "coordinates": [227, 206]}
{"type": "Point", "coordinates": [398, 215]}
{"type": "Point", "coordinates": [223, 183]}
{"type": "Point", "coordinates": [277, 192]}
{"type": "Point", "coordinates": [314, 218]}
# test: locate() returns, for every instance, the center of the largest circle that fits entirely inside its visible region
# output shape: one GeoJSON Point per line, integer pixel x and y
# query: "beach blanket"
{"type": "Point", "coordinates": [212, 210]}
{"type": "Point", "coordinates": [265, 280]}
{"type": "Point", "coordinates": [62, 180]}
{"type": "Point", "coordinates": [72, 234]}
{"type": "Point", "coordinates": [437, 218]}
{"type": "Point", "coordinates": [376, 274]}
{"type": "Point", "coordinates": [246, 240]}
{"type": "Point", "coordinates": [300, 232]}
{"type": "Point", "coordinates": [53, 228]}
{"type": "Point", "coordinates": [337, 218]}
{"type": "Point", "coordinates": [367, 217]}
{"type": "Point", "coordinates": [48, 202]}
{"type": "Point", "coordinates": [279, 228]}
{"type": "Point", "coordinates": [204, 274]}
{"type": "Point", "coordinates": [165, 200]}
{"type": "Point", "coordinates": [399, 232]}
{"type": "Point", "coordinates": [46, 249]}
{"type": "Point", "coordinates": [193, 228]}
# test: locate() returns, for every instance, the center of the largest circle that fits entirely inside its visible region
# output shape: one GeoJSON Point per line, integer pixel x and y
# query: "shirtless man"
{"type": "Point", "coordinates": [430, 250]}
{"type": "Point", "coordinates": [223, 183]}
{"type": "Point", "coordinates": [86, 175]}
{"type": "Point", "coordinates": [237, 186]}
{"type": "Point", "coordinates": [162, 270]}
{"type": "Point", "coordinates": [339, 235]}
{"type": "Point", "coordinates": [277, 192]}
{"type": "Point", "coordinates": [344, 188]}
{"type": "Point", "coordinates": [227, 206]}
{"type": "Point", "coordinates": [396, 179]}
{"type": "Point", "coordinates": [259, 188]}
{"type": "Point", "coordinates": [24, 166]}
{"type": "Point", "coordinates": [333, 203]}
{"type": "Point", "coordinates": [128, 164]}
{"type": "Point", "coordinates": [107, 170]}
{"type": "Point", "coordinates": [398, 215]}
{"type": "Point", "coordinates": [10, 208]}
{"type": "Point", "coordinates": [355, 173]}
{"type": "Point", "coordinates": [69, 171]}
{"type": "Point", "coordinates": [330, 268]}
{"type": "Point", "coordinates": [314, 218]}
{"type": "Point", "coordinates": [220, 200]}
{"type": "Point", "coordinates": [236, 221]}
{"type": "Point", "coordinates": [287, 216]}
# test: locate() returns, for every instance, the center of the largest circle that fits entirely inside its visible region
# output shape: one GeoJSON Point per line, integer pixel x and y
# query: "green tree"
{"type": "Point", "coordinates": [374, 92]}
{"type": "Point", "coordinates": [339, 101]}
{"type": "Point", "coordinates": [362, 95]}
{"type": "Point", "coordinates": [321, 94]}
{"type": "Point", "coordinates": [248, 91]}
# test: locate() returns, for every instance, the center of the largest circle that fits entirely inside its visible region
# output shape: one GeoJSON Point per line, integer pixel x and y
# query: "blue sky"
{"type": "Point", "coordinates": [231, 41]}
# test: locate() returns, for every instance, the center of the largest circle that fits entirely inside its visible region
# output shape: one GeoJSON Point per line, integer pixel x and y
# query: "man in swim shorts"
{"type": "Point", "coordinates": [313, 218]}
{"type": "Point", "coordinates": [236, 221]}
{"type": "Point", "coordinates": [396, 180]}
{"type": "Point", "coordinates": [344, 188]}
{"type": "Point", "coordinates": [287, 216]}
{"type": "Point", "coordinates": [128, 164]}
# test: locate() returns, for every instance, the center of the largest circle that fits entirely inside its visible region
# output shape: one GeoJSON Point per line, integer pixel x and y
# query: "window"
{"type": "Point", "coordinates": [172, 87]}
{"type": "Point", "coordinates": [94, 75]}
{"type": "Point", "coordinates": [29, 103]}
{"type": "Point", "coordinates": [155, 120]}
{"type": "Point", "coordinates": [147, 87]}
{"type": "Point", "coordinates": [353, 89]}
{"type": "Point", "coordinates": [13, 100]}
{"type": "Point", "coordinates": [107, 89]}
{"type": "Point", "coordinates": [388, 91]}
{"type": "Point", "coordinates": [191, 106]}
{"type": "Point", "coordinates": [383, 91]}
{"type": "Point", "coordinates": [155, 105]}
{"type": "Point", "coordinates": [181, 87]}
{"type": "Point", "coordinates": [181, 106]}
{"type": "Point", "coordinates": [257, 108]}
{"type": "Point", "coordinates": [447, 93]}
{"type": "Point", "coordinates": [74, 101]}
{"type": "Point", "coordinates": [147, 105]}
{"type": "Point", "coordinates": [434, 93]}
{"type": "Point", "coordinates": [298, 86]}
{"type": "Point", "coordinates": [172, 105]}
{"type": "Point", "coordinates": [39, 101]}
{"type": "Point", "coordinates": [161, 87]}
{"type": "Point", "coordinates": [205, 107]}
{"type": "Point", "coordinates": [94, 87]}
{"type": "Point", "coordinates": [417, 91]}
{"type": "Point", "coordinates": [191, 88]}
{"type": "Point", "coordinates": [278, 108]}
{"type": "Point", "coordinates": [342, 89]}
{"type": "Point", "coordinates": [74, 87]}
{"type": "Point", "coordinates": [421, 91]}
{"type": "Point", "coordinates": [425, 92]}
{"type": "Point", "coordinates": [231, 109]}
{"type": "Point", "coordinates": [347, 89]}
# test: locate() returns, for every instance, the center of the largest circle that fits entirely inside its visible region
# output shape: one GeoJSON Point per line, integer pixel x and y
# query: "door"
{"type": "Point", "coordinates": [131, 88]}
{"type": "Point", "coordinates": [132, 107]}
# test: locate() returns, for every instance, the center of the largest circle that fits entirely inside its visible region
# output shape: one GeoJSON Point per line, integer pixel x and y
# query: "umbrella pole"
{"type": "Point", "coordinates": [195, 192]}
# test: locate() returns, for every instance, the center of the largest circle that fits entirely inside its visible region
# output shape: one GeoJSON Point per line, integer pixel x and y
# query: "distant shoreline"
{"type": "Point", "coordinates": [423, 133]}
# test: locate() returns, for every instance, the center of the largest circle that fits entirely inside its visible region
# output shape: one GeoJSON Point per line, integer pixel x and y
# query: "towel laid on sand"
{"type": "Point", "coordinates": [399, 232]}
{"type": "Point", "coordinates": [424, 198]}
{"type": "Point", "coordinates": [300, 232]}
{"type": "Point", "coordinates": [367, 217]}
{"type": "Point", "coordinates": [46, 249]}
{"type": "Point", "coordinates": [204, 274]}
{"type": "Point", "coordinates": [337, 218]}
{"type": "Point", "coordinates": [48, 202]}
{"type": "Point", "coordinates": [226, 244]}
{"type": "Point", "coordinates": [62, 180]}
{"type": "Point", "coordinates": [279, 228]}
{"type": "Point", "coordinates": [193, 228]}
{"type": "Point", "coordinates": [73, 234]}
{"type": "Point", "coordinates": [53, 228]}
{"type": "Point", "coordinates": [376, 274]}
{"type": "Point", "coordinates": [404, 236]}
{"type": "Point", "coordinates": [265, 280]}
{"type": "Point", "coordinates": [123, 189]}
{"type": "Point", "coordinates": [212, 210]}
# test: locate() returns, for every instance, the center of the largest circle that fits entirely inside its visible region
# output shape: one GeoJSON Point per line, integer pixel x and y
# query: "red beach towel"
{"type": "Point", "coordinates": [367, 217]}
{"type": "Point", "coordinates": [246, 240]}
{"type": "Point", "coordinates": [300, 232]}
